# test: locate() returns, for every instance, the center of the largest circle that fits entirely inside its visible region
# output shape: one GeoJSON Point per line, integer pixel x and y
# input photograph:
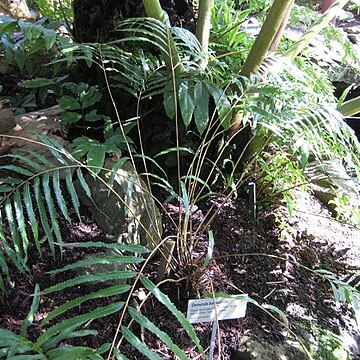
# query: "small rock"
{"type": "Point", "coordinates": [7, 122]}
{"type": "Point", "coordinates": [354, 38]}
{"type": "Point", "coordinates": [130, 219]}
{"type": "Point", "coordinates": [330, 178]}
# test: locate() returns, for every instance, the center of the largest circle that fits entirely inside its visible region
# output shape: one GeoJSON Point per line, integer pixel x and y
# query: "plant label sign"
{"type": "Point", "coordinates": [205, 310]}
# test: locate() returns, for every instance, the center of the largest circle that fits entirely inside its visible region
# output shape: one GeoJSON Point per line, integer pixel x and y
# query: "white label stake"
{"type": "Point", "coordinates": [203, 310]}
{"type": "Point", "coordinates": [221, 308]}
{"type": "Point", "coordinates": [212, 340]}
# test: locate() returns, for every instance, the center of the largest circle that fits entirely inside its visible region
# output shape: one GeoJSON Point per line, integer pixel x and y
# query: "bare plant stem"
{"type": "Point", "coordinates": [203, 28]}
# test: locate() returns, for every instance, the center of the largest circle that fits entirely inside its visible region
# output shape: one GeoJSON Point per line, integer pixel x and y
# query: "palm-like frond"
{"type": "Point", "coordinates": [33, 196]}
{"type": "Point", "coordinates": [58, 327]}
{"type": "Point", "coordinates": [300, 118]}
{"type": "Point", "coordinates": [31, 200]}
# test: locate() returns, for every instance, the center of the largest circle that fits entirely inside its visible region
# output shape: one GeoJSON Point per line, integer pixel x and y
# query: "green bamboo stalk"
{"type": "Point", "coordinates": [203, 28]}
{"type": "Point", "coordinates": [275, 44]}
{"type": "Point", "coordinates": [323, 21]}
{"type": "Point", "coordinates": [351, 107]}
{"type": "Point", "coordinates": [172, 59]}
{"type": "Point", "coordinates": [266, 36]}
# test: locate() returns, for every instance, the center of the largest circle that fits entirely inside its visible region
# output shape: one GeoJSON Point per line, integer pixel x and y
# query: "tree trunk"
{"type": "Point", "coordinates": [95, 20]}
{"type": "Point", "coordinates": [325, 5]}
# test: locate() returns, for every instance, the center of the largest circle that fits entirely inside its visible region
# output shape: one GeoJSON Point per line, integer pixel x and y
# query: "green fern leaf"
{"type": "Point", "coordinates": [169, 101]}
{"type": "Point", "coordinates": [26, 357]}
{"type": "Point", "coordinates": [13, 228]}
{"type": "Point", "coordinates": [165, 338]}
{"type": "Point", "coordinates": [119, 356]}
{"type": "Point", "coordinates": [30, 317]}
{"type": "Point", "coordinates": [5, 189]}
{"type": "Point", "coordinates": [72, 191]}
{"type": "Point", "coordinates": [83, 183]}
{"type": "Point", "coordinates": [139, 345]}
{"type": "Point", "coordinates": [17, 169]}
{"type": "Point", "coordinates": [59, 196]}
{"type": "Point", "coordinates": [129, 190]}
{"type": "Point", "coordinates": [13, 255]}
{"type": "Point", "coordinates": [51, 207]}
{"type": "Point", "coordinates": [3, 265]}
{"type": "Point", "coordinates": [144, 157]}
{"type": "Point", "coordinates": [104, 348]}
{"type": "Point", "coordinates": [25, 160]}
{"type": "Point", "coordinates": [79, 280]}
{"type": "Point", "coordinates": [19, 213]}
{"type": "Point", "coordinates": [73, 352]}
{"type": "Point", "coordinates": [57, 150]}
{"type": "Point", "coordinates": [210, 251]}
{"type": "Point", "coordinates": [185, 200]}
{"type": "Point", "coordinates": [108, 260]}
{"type": "Point", "coordinates": [276, 310]}
{"type": "Point", "coordinates": [12, 181]}
{"type": "Point", "coordinates": [81, 333]}
{"type": "Point", "coordinates": [11, 340]}
{"type": "Point", "coordinates": [43, 216]}
{"type": "Point", "coordinates": [121, 247]}
{"type": "Point", "coordinates": [164, 299]}
{"type": "Point", "coordinates": [155, 37]}
{"type": "Point", "coordinates": [42, 159]}
{"type": "Point", "coordinates": [2, 285]}
{"type": "Point", "coordinates": [109, 291]}
{"type": "Point", "coordinates": [57, 332]}
{"type": "Point", "coordinates": [31, 214]}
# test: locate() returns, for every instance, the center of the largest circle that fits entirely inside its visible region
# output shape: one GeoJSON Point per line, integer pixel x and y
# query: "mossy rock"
{"type": "Point", "coordinates": [126, 210]}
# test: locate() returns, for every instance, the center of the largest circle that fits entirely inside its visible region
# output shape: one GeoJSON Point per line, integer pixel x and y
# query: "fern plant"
{"type": "Point", "coordinates": [50, 344]}
{"type": "Point", "coordinates": [23, 44]}
{"type": "Point", "coordinates": [30, 193]}
{"type": "Point", "coordinates": [35, 190]}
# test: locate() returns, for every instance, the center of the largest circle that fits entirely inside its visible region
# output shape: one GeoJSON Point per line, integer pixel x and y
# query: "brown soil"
{"type": "Point", "coordinates": [252, 257]}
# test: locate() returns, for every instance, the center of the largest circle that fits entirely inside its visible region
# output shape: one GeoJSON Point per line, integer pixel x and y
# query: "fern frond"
{"type": "Point", "coordinates": [51, 207]}
{"type": "Point", "coordinates": [32, 199]}
{"type": "Point", "coordinates": [134, 248]}
{"type": "Point", "coordinates": [12, 344]}
{"type": "Point", "coordinates": [106, 260]}
{"type": "Point", "coordinates": [55, 177]}
{"type": "Point", "coordinates": [8, 206]}
{"type": "Point", "coordinates": [74, 352]}
{"type": "Point", "coordinates": [43, 215]}
{"type": "Point", "coordinates": [165, 338]}
{"type": "Point", "coordinates": [106, 292]}
{"type": "Point", "coordinates": [30, 317]}
{"type": "Point", "coordinates": [139, 345]}
{"type": "Point", "coordinates": [31, 214]}
{"type": "Point", "coordinates": [98, 277]}
{"type": "Point", "coordinates": [164, 299]}
{"type": "Point", "coordinates": [4, 270]}
{"type": "Point", "coordinates": [75, 202]}
{"type": "Point", "coordinates": [14, 257]}
{"type": "Point", "coordinates": [299, 115]}
{"type": "Point", "coordinates": [59, 331]}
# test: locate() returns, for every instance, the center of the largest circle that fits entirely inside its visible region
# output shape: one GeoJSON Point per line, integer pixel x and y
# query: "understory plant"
{"type": "Point", "coordinates": [28, 46]}
{"type": "Point", "coordinates": [282, 123]}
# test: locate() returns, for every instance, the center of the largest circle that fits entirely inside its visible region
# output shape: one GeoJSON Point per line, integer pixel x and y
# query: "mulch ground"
{"type": "Point", "coordinates": [250, 257]}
